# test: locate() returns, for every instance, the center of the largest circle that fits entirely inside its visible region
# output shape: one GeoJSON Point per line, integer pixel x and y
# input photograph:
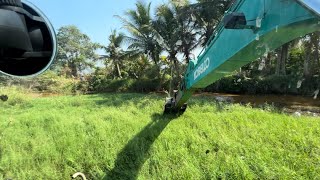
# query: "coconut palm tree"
{"type": "Point", "coordinates": [115, 54]}
{"type": "Point", "coordinates": [168, 27]}
{"type": "Point", "coordinates": [207, 14]}
{"type": "Point", "coordinates": [188, 33]}
{"type": "Point", "coordinates": [142, 39]}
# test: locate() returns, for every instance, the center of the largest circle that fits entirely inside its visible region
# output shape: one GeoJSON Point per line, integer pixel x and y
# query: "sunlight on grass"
{"type": "Point", "coordinates": [125, 136]}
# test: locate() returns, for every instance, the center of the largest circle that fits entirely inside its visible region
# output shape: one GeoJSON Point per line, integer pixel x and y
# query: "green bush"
{"type": "Point", "coordinates": [16, 96]}
{"type": "Point", "coordinates": [145, 85]}
{"type": "Point", "coordinates": [50, 82]}
{"type": "Point", "coordinates": [107, 85]}
{"type": "Point", "coordinates": [100, 84]}
{"type": "Point", "coordinates": [265, 85]}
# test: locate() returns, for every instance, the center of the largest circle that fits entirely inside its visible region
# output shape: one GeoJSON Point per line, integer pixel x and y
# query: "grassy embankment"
{"type": "Point", "coordinates": [124, 136]}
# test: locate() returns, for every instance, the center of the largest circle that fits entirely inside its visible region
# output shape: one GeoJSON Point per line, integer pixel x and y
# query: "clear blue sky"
{"type": "Point", "coordinates": [93, 17]}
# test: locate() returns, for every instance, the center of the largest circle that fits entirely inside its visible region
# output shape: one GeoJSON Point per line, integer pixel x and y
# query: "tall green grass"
{"type": "Point", "coordinates": [17, 96]}
{"type": "Point", "coordinates": [125, 136]}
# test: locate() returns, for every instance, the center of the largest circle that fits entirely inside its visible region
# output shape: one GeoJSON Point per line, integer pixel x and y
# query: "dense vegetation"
{"type": "Point", "coordinates": [125, 136]}
{"type": "Point", "coordinates": [154, 50]}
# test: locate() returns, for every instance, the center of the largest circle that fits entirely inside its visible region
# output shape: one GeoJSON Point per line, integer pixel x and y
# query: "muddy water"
{"type": "Point", "coordinates": [287, 103]}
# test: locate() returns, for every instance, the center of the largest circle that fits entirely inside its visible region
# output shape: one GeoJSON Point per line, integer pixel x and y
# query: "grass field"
{"type": "Point", "coordinates": [125, 136]}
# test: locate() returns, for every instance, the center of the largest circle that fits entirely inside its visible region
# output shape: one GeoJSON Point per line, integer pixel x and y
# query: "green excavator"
{"type": "Point", "coordinates": [248, 30]}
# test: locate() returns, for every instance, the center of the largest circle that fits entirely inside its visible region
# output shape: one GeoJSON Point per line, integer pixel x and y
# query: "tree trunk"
{"type": "Point", "coordinates": [177, 68]}
{"type": "Point", "coordinates": [187, 55]}
{"type": "Point", "coordinates": [118, 70]}
{"type": "Point", "coordinates": [316, 52]}
{"type": "Point", "coordinates": [186, 51]}
{"type": "Point", "coordinates": [281, 60]}
{"type": "Point", "coordinates": [306, 66]}
{"type": "Point", "coordinates": [175, 73]}
{"type": "Point", "coordinates": [308, 55]}
{"type": "Point", "coordinates": [171, 81]}
{"type": "Point", "coordinates": [267, 69]}
{"type": "Point", "coordinates": [284, 56]}
{"type": "Point", "coordinates": [74, 70]}
{"type": "Point", "coordinates": [278, 65]}
{"type": "Point", "coordinates": [155, 58]}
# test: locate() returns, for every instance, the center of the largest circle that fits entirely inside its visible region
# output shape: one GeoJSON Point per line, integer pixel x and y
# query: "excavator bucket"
{"type": "Point", "coordinates": [313, 5]}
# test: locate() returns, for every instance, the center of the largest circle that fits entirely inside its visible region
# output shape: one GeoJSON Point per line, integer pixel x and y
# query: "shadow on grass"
{"type": "Point", "coordinates": [132, 157]}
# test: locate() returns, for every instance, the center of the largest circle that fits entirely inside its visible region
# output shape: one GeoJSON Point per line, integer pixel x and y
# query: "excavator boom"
{"type": "Point", "coordinates": [249, 30]}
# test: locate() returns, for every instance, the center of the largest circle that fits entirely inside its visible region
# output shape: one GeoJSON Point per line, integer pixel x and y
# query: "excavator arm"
{"type": "Point", "coordinates": [249, 30]}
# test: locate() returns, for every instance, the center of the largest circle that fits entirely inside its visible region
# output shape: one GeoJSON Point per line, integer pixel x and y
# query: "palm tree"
{"type": "Point", "coordinates": [142, 39]}
{"type": "Point", "coordinates": [185, 28]}
{"type": "Point", "coordinates": [167, 26]}
{"type": "Point", "coordinates": [207, 14]}
{"type": "Point", "coordinates": [188, 34]}
{"type": "Point", "coordinates": [115, 54]}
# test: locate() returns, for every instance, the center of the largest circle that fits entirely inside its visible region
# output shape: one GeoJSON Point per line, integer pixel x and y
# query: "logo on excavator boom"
{"type": "Point", "coordinates": [202, 68]}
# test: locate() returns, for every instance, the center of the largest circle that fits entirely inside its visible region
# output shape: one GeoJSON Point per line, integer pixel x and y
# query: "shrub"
{"type": "Point", "coordinates": [107, 85]}
{"type": "Point", "coordinates": [50, 82]}
{"type": "Point", "coordinates": [265, 85]}
{"type": "Point", "coordinates": [16, 96]}
{"type": "Point", "coordinates": [99, 84]}
{"type": "Point", "coordinates": [145, 85]}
